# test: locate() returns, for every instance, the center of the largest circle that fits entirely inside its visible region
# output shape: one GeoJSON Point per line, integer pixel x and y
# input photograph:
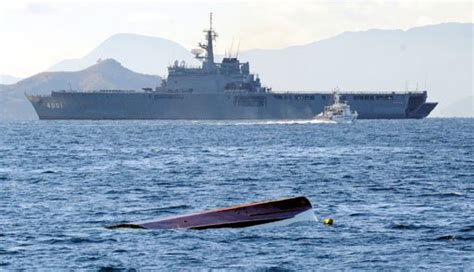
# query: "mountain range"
{"type": "Point", "coordinates": [7, 79]}
{"type": "Point", "coordinates": [438, 58]}
{"type": "Point", "coordinates": [106, 74]}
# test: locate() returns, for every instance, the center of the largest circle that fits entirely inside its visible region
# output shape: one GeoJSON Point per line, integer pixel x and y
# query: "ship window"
{"type": "Point", "coordinates": [369, 97]}
{"type": "Point", "coordinates": [324, 97]}
{"type": "Point", "coordinates": [302, 97]}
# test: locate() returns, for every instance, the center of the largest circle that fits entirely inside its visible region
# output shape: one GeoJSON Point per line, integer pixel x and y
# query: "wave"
{"type": "Point", "coordinates": [264, 122]}
{"type": "Point", "coordinates": [452, 237]}
{"type": "Point", "coordinates": [409, 227]}
{"type": "Point", "coordinates": [296, 122]}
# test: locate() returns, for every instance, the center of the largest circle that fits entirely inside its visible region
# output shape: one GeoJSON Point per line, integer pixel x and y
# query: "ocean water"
{"type": "Point", "coordinates": [401, 193]}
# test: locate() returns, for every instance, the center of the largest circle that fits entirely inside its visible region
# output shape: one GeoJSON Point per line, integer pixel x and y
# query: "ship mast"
{"type": "Point", "coordinates": [210, 36]}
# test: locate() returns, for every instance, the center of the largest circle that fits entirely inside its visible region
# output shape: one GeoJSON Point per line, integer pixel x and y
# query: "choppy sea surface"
{"type": "Point", "coordinates": [401, 193]}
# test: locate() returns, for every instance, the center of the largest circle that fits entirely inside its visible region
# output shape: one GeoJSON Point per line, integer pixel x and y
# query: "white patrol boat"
{"type": "Point", "coordinates": [339, 112]}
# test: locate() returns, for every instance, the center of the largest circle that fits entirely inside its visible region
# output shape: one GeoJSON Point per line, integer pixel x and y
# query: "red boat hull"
{"type": "Point", "coordinates": [240, 216]}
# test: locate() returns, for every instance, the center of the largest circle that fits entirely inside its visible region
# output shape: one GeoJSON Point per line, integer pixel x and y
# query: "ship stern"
{"type": "Point", "coordinates": [417, 107]}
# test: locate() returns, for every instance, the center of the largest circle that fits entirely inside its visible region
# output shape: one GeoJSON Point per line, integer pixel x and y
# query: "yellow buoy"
{"type": "Point", "coordinates": [328, 221]}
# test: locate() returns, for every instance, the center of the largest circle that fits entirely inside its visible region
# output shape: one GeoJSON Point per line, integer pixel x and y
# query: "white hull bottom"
{"type": "Point", "coordinates": [301, 217]}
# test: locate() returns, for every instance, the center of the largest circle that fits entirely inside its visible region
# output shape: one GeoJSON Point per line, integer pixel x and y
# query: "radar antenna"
{"type": "Point", "coordinates": [197, 53]}
{"type": "Point", "coordinates": [337, 96]}
{"type": "Point", "coordinates": [231, 47]}
{"type": "Point", "coordinates": [238, 48]}
{"type": "Point", "coordinates": [210, 36]}
{"type": "Point", "coordinates": [210, 21]}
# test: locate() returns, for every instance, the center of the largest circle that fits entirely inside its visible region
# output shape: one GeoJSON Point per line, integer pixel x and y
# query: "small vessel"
{"type": "Point", "coordinates": [339, 112]}
{"type": "Point", "coordinates": [268, 213]}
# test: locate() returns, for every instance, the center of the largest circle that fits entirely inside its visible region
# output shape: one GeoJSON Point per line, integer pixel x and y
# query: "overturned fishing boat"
{"type": "Point", "coordinates": [269, 213]}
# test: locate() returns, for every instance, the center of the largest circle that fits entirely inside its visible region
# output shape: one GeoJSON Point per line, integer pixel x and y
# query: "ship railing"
{"type": "Point", "coordinates": [352, 92]}
{"type": "Point", "coordinates": [36, 95]}
{"type": "Point", "coordinates": [95, 91]}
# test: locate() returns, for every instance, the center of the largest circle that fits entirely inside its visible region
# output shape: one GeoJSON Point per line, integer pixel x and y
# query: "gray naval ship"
{"type": "Point", "coordinates": [225, 90]}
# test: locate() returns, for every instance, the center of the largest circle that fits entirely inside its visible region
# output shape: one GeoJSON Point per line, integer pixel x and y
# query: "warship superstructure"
{"type": "Point", "coordinates": [225, 90]}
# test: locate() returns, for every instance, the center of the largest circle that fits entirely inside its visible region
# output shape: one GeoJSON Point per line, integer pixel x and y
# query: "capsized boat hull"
{"type": "Point", "coordinates": [286, 210]}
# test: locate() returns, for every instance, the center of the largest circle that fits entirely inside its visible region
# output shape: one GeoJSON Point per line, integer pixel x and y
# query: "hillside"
{"type": "Point", "coordinates": [108, 74]}
{"type": "Point", "coordinates": [463, 107]}
{"type": "Point", "coordinates": [7, 79]}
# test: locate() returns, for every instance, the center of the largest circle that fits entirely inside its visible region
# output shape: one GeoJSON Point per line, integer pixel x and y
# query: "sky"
{"type": "Point", "coordinates": [36, 34]}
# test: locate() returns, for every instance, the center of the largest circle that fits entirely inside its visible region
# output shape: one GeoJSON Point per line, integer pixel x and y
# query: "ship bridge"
{"type": "Point", "coordinates": [228, 76]}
